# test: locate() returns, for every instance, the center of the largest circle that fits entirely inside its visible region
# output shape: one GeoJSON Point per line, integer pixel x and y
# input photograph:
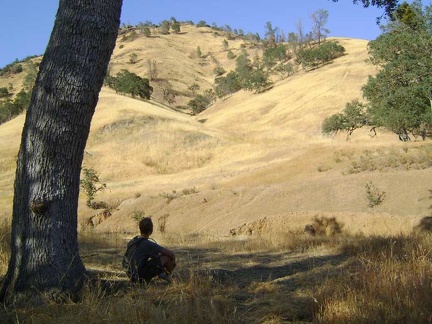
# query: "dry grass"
{"type": "Point", "coordinates": [389, 281]}
{"type": "Point", "coordinates": [255, 279]}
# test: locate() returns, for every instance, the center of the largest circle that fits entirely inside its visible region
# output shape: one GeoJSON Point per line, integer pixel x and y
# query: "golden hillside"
{"type": "Point", "coordinates": [248, 157]}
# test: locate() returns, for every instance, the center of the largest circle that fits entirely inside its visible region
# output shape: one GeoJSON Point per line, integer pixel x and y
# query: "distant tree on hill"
{"type": "Point", "coordinates": [194, 87]}
{"type": "Point", "coordinates": [199, 103]}
{"type": "Point", "coordinates": [319, 19]}
{"type": "Point", "coordinates": [144, 29]}
{"type": "Point", "coordinates": [167, 90]}
{"type": "Point", "coordinates": [315, 57]}
{"type": "Point", "coordinates": [164, 27]}
{"type": "Point", "coordinates": [152, 70]}
{"type": "Point", "coordinates": [201, 23]}
{"type": "Point", "coordinates": [270, 34]}
{"type": "Point", "coordinates": [175, 26]}
{"type": "Point", "coordinates": [130, 83]}
{"type": "Point", "coordinates": [225, 45]}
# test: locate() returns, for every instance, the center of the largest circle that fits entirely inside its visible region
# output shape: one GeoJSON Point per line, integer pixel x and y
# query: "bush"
{"type": "Point", "coordinates": [202, 23]}
{"type": "Point", "coordinates": [199, 103]}
{"type": "Point", "coordinates": [91, 184]}
{"type": "Point", "coordinates": [4, 92]}
{"type": "Point", "coordinates": [219, 70]}
{"type": "Point", "coordinates": [374, 195]}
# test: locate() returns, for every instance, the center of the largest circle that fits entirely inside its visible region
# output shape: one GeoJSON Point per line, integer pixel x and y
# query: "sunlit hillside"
{"type": "Point", "coordinates": [249, 157]}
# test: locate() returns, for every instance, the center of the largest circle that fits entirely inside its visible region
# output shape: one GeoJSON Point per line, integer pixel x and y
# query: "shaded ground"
{"type": "Point", "coordinates": [263, 285]}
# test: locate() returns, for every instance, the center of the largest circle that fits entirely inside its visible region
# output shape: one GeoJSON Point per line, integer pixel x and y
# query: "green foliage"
{"type": "Point", "coordinates": [219, 70]}
{"type": "Point", "coordinates": [175, 26]}
{"type": "Point", "coordinates": [284, 70]}
{"type": "Point", "coordinates": [374, 195]}
{"type": "Point", "coordinates": [11, 108]}
{"type": "Point", "coordinates": [198, 52]}
{"type": "Point", "coordinates": [313, 58]}
{"type": "Point", "coordinates": [194, 87]}
{"type": "Point", "coordinates": [133, 58]}
{"type": "Point", "coordinates": [273, 55]}
{"type": "Point", "coordinates": [12, 68]}
{"type": "Point", "coordinates": [91, 184]}
{"type": "Point", "coordinates": [164, 27]}
{"type": "Point", "coordinates": [129, 83]}
{"type": "Point", "coordinates": [138, 215]}
{"type": "Point", "coordinates": [225, 44]}
{"type": "Point", "coordinates": [228, 84]}
{"type": "Point", "coordinates": [256, 80]}
{"type": "Point", "coordinates": [199, 103]}
{"type": "Point", "coordinates": [353, 116]}
{"type": "Point", "coordinates": [30, 78]}
{"type": "Point", "coordinates": [231, 55]}
{"type": "Point", "coordinates": [4, 92]}
{"type": "Point", "coordinates": [144, 28]}
{"type": "Point", "coordinates": [399, 95]}
{"type": "Point", "coordinates": [201, 23]}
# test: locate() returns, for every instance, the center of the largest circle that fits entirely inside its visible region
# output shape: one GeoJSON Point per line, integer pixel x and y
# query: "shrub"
{"type": "Point", "coordinates": [201, 23]}
{"type": "Point", "coordinates": [91, 184]}
{"type": "Point", "coordinates": [374, 195]}
{"type": "Point", "coordinates": [199, 103]}
{"type": "Point", "coordinates": [219, 70]}
{"type": "Point", "coordinates": [231, 55]}
{"type": "Point", "coordinates": [4, 92]}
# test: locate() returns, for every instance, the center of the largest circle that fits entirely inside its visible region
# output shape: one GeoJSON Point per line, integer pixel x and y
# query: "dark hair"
{"type": "Point", "coordinates": [146, 226]}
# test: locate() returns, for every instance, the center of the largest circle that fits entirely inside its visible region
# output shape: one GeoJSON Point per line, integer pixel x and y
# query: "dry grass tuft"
{"type": "Point", "coordinates": [389, 281]}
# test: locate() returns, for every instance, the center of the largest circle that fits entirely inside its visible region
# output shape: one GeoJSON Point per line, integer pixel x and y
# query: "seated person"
{"type": "Point", "coordinates": [145, 259]}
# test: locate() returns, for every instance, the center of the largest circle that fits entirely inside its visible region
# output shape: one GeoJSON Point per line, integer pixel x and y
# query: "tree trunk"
{"type": "Point", "coordinates": [44, 251]}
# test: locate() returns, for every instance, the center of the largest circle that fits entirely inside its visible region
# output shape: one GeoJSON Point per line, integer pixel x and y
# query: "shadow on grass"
{"type": "Point", "coordinates": [262, 285]}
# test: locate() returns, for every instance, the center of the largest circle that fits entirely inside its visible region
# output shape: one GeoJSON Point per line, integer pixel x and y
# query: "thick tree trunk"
{"type": "Point", "coordinates": [44, 255]}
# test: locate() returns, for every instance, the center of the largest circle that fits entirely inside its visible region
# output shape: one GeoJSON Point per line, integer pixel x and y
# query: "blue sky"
{"type": "Point", "coordinates": [26, 25]}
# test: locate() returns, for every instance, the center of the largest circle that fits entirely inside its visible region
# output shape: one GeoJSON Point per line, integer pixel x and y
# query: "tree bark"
{"type": "Point", "coordinates": [44, 251]}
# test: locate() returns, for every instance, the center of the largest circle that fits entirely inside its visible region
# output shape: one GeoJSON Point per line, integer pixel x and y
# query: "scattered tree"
{"type": "Point", "coordinates": [167, 90]}
{"type": "Point", "coordinates": [399, 95]}
{"type": "Point", "coordinates": [152, 69]}
{"type": "Point", "coordinates": [319, 19]}
{"type": "Point", "coordinates": [164, 27]}
{"type": "Point", "coordinates": [194, 87]}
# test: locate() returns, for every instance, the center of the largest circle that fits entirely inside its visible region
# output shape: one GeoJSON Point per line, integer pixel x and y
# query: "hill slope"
{"type": "Point", "coordinates": [247, 158]}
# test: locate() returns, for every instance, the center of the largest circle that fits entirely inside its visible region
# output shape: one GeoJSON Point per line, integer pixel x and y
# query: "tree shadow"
{"type": "Point", "coordinates": [259, 283]}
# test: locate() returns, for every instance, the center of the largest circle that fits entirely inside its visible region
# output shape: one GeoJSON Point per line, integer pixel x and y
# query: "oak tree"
{"type": "Point", "coordinates": [44, 244]}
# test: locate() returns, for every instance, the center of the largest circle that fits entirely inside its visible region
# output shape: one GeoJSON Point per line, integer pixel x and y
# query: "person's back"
{"type": "Point", "coordinates": [145, 259]}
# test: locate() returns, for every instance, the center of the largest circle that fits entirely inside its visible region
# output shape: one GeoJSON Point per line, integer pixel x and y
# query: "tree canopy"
{"type": "Point", "coordinates": [399, 96]}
